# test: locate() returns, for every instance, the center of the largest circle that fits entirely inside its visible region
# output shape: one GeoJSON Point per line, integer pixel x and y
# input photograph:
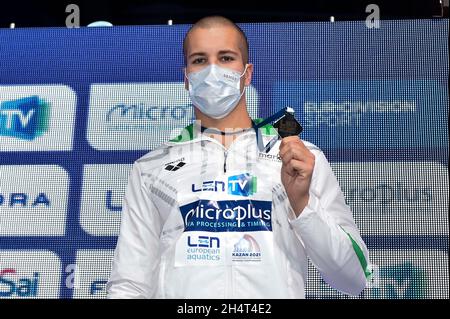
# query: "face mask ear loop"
{"type": "Point", "coordinates": [245, 70]}
{"type": "Point", "coordinates": [243, 91]}
{"type": "Point", "coordinates": [245, 86]}
{"type": "Point", "coordinates": [189, 81]}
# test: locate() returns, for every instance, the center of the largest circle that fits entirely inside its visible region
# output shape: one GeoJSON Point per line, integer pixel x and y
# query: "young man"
{"type": "Point", "coordinates": [211, 215]}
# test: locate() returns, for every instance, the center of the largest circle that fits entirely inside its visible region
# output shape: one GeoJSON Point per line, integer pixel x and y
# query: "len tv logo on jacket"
{"type": "Point", "coordinates": [25, 118]}
{"type": "Point", "coordinates": [240, 185]}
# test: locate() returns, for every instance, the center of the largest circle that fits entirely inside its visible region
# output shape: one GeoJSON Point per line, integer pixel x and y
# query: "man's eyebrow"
{"type": "Point", "coordinates": [228, 52]}
{"type": "Point", "coordinates": [220, 53]}
{"type": "Point", "coordinates": [197, 53]}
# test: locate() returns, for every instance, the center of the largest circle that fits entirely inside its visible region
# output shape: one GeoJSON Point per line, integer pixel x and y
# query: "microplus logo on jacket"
{"type": "Point", "coordinates": [227, 215]}
{"type": "Point", "coordinates": [25, 118]}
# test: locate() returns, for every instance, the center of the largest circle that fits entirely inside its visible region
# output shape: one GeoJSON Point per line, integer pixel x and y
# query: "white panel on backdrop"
{"type": "Point", "coordinates": [101, 203]}
{"type": "Point", "coordinates": [33, 200]}
{"type": "Point", "coordinates": [396, 198]}
{"type": "Point", "coordinates": [396, 274]}
{"type": "Point", "coordinates": [92, 272]}
{"type": "Point", "coordinates": [36, 118]}
{"type": "Point", "coordinates": [29, 274]}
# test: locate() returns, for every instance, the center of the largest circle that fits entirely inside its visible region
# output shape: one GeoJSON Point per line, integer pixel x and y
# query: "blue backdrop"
{"type": "Point", "coordinates": [78, 106]}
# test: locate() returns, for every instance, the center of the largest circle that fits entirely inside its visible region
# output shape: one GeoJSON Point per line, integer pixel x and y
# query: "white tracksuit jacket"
{"type": "Point", "coordinates": [200, 221]}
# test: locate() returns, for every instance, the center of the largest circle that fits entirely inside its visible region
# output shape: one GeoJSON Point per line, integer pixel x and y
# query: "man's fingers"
{"type": "Point", "coordinates": [295, 167]}
{"type": "Point", "coordinates": [289, 169]}
{"type": "Point", "coordinates": [292, 153]}
{"type": "Point", "coordinates": [289, 139]}
{"type": "Point", "coordinates": [297, 152]}
{"type": "Point", "coordinates": [290, 142]}
{"type": "Point", "coordinates": [287, 148]}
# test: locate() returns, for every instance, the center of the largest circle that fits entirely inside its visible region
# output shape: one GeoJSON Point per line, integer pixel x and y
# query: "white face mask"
{"type": "Point", "coordinates": [215, 91]}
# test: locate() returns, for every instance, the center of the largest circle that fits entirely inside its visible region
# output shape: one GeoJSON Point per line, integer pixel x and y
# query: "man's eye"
{"type": "Point", "coordinates": [198, 61]}
{"type": "Point", "coordinates": [227, 58]}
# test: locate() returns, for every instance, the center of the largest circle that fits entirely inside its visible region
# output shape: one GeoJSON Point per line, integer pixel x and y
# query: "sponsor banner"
{"type": "Point", "coordinates": [36, 118]}
{"type": "Point", "coordinates": [142, 116]}
{"type": "Point", "coordinates": [103, 192]}
{"type": "Point", "coordinates": [365, 114]}
{"type": "Point", "coordinates": [396, 274]}
{"type": "Point", "coordinates": [33, 200]}
{"type": "Point", "coordinates": [396, 198]}
{"type": "Point", "coordinates": [92, 273]}
{"type": "Point", "coordinates": [29, 274]}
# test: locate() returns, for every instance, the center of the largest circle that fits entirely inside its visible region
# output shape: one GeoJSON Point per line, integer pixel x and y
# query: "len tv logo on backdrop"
{"type": "Point", "coordinates": [25, 118]}
{"type": "Point", "coordinates": [36, 117]}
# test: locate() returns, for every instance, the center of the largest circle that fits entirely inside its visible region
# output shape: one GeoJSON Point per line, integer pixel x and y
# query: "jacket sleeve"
{"type": "Point", "coordinates": [134, 268]}
{"type": "Point", "coordinates": [329, 234]}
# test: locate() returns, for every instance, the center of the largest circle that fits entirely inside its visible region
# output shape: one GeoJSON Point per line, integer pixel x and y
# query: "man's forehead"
{"type": "Point", "coordinates": [219, 38]}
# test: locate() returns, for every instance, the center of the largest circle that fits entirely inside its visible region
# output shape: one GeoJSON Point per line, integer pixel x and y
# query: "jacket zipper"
{"type": "Point", "coordinates": [225, 153]}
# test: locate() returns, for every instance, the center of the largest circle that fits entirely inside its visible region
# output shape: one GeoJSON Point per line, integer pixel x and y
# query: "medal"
{"type": "Point", "coordinates": [288, 125]}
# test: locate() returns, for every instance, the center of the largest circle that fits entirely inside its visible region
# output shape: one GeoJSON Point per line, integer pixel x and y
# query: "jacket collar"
{"type": "Point", "coordinates": [192, 133]}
